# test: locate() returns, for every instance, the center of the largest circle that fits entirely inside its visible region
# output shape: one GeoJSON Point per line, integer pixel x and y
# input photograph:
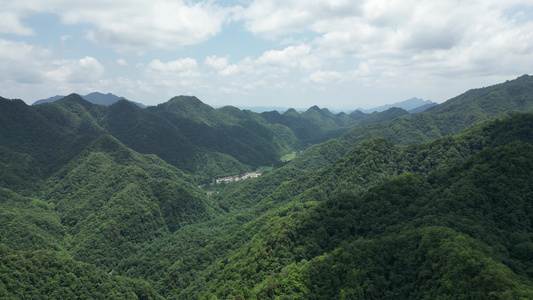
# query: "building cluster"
{"type": "Point", "coordinates": [238, 178]}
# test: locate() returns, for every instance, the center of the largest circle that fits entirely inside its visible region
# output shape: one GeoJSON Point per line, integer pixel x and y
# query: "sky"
{"type": "Point", "coordinates": [339, 54]}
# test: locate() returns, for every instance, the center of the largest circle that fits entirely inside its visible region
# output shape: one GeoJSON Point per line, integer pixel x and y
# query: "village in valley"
{"type": "Point", "coordinates": [238, 177]}
{"type": "Point", "coordinates": [210, 189]}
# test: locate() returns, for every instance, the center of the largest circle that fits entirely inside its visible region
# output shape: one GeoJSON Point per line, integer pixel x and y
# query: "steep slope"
{"type": "Point", "coordinates": [375, 161]}
{"type": "Point", "coordinates": [252, 251]}
{"type": "Point", "coordinates": [151, 133]}
{"type": "Point", "coordinates": [29, 223]}
{"type": "Point", "coordinates": [112, 200]}
{"type": "Point", "coordinates": [141, 130]}
{"type": "Point", "coordinates": [21, 173]}
{"type": "Point", "coordinates": [304, 129]}
{"type": "Point", "coordinates": [449, 118]}
{"type": "Point", "coordinates": [46, 275]}
{"type": "Point", "coordinates": [317, 125]}
{"type": "Point", "coordinates": [449, 218]}
{"type": "Point", "coordinates": [240, 134]}
{"type": "Point", "coordinates": [75, 114]}
{"type": "Point", "coordinates": [24, 130]}
{"type": "Point", "coordinates": [415, 236]}
{"type": "Point", "coordinates": [380, 117]}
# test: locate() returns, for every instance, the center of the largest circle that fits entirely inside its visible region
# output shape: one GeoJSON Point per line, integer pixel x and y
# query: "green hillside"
{"type": "Point", "coordinates": [46, 275]}
{"type": "Point", "coordinates": [318, 124]}
{"type": "Point", "coordinates": [286, 258]}
{"type": "Point", "coordinates": [464, 232]}
{"type": "Point", "coordinates": [243, 135]}
{"type": "Point", "coordinates": [451, 117]}
{"type": "Point", "coordinates": [140, 130]}
{"type": "Point", "coordinates": [104, 202]}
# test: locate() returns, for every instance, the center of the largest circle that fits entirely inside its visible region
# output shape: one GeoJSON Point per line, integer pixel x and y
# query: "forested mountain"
{"type": "Point", "coordinates": [450, 117]}
{"type": "Point", "coordinates": [409, 104]}
{"type": "Point", "coordinates": [318, 124]}
{"type": "Point", "coordinates": [94, 98]}
{"type": "Point", "coordinates": [240, 134]}
{"type": "Point", "coordinates": [201, 140]}
{"type": "Point", "coordinates": [299, 238]}
{"type": "Point", "coordinates": [104, 201]}
{"type": "Point", "coordinates": [142, 131]}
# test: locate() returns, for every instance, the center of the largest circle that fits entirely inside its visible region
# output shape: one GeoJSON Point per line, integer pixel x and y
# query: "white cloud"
{"type": "Point", "coordinates": [272, 63]}
{"type": "Point", "coordinates": [126, 25]}
{"type": "Point", "coordinates": [122, 62]}
{"type": "Point", "coordinates": [325, 77]}
{"type": "Point", "coordinates": [65, 37]}
{"type": "Point", "coordinates": [30, 72]}
{"type": "Point", "coordinates": [177, 73]}
{"type": "Point", "coordinates": [384, 45]}
{"type": "Point", "coordinates": [216, 62]}
{"type": "Point", "coordinates": [272, 18]}
{"type": "Point", "coordinates": [10, 50]}
{"type": "Point", "coordinates": [180, 65]}
{"type": "Point", "coordinates": [10, 24]}
{"type": "Point", "coordinates": [21, 63]}
{"type": "Point", "coordinates": [292, 56]}
{"type": "Point", "coordinates": [85, 70]}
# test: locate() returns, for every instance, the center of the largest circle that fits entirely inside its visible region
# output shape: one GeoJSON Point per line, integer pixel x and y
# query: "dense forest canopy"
{"type": "Point", "coordinates": [118, 202]}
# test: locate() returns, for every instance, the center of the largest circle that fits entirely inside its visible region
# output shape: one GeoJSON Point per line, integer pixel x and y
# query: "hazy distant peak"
{"type": "Point", "coordinates": [408, 104]}
{"type": "Point", "coordinates": [94, 97]}
{"type": "Point", "coordinates": [74, 98]}
{"type": "Point", "coordinates": [186, 99]}
{"type": "Point", "coordinates": [290, 111]}
{"type": "Point", "coordinates": [48, 100]}
{"type": "Point", "coordinates": [184, 102]}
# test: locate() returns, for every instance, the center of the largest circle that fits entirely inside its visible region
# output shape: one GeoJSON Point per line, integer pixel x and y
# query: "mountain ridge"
{"type": "Point", "coordinates": [394, 206]}
{"type": "Point", "coordinates": [94, 97]}
{"type": "Point", "coordinates": [409, 104]}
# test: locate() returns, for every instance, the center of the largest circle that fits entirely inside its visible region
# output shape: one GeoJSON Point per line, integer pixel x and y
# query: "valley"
{"type": "Point", "coordinates": [121, 201]}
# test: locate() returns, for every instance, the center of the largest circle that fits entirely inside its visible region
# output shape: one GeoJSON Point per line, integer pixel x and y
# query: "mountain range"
{"type": "Point", "coordinates": [413, 105]}
{"type": "Point", "coordinates": [118, 202]}
{"type": "Point", "coordinates": [94, 97]}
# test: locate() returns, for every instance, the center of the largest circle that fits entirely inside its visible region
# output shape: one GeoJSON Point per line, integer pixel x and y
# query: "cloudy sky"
{"type": "Point", "coordinates": [330, 53]}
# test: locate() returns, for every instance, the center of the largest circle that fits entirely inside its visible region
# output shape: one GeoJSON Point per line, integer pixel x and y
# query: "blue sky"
{"type": "Point", "coordinates": [340, 54]}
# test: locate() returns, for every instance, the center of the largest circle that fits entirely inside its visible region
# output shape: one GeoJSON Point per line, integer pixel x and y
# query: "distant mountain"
{"type": "Point", "coordinates": [448, 118]}
{"type": "Point", "coordinates": [48, 100]}
{"type": "Point", "coordinates": [409, 104]}
{"type": "Point", "coordinates": [104, 201]}
{"type": "Point", "coordinates": [260, 109]}
{"type": "Point", "coordinates": [104, 99]}
{"type": "Point", "coordinates": [243, 135]}
{"type": "Point", "coordinates": [94, 98]}
{"type": "Point", "coordinates": [422, 108]}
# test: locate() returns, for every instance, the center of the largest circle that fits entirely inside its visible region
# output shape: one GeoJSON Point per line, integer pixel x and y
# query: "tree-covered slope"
{"type": "Point", "coordinates": [112, 201]}
{"type": "Point", "coordinates": [317, 125]}
{"type": "Point", "coordinates": [222, 257]}
{"type": "Point", "coordinates": [46, 275]}
{"type": "Point", "coordinates": [375, 161]}
{"type": "Point", "coordinates": [75, 114]}
{"type": "Point", "coordinates": [463, 232]}
{"type": "Point", "coordinates": [243, 135]}
{"type": "Point", "coordinates": [451, 117]}
{"type": "Point", "coordinates": [24, 130]}
{"type": "Point", "coordinates": [140, 130]}
{"type": "Point", "coordinates": [86, 206]}
{"type": "Point", "coordinates": [29, 223]}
